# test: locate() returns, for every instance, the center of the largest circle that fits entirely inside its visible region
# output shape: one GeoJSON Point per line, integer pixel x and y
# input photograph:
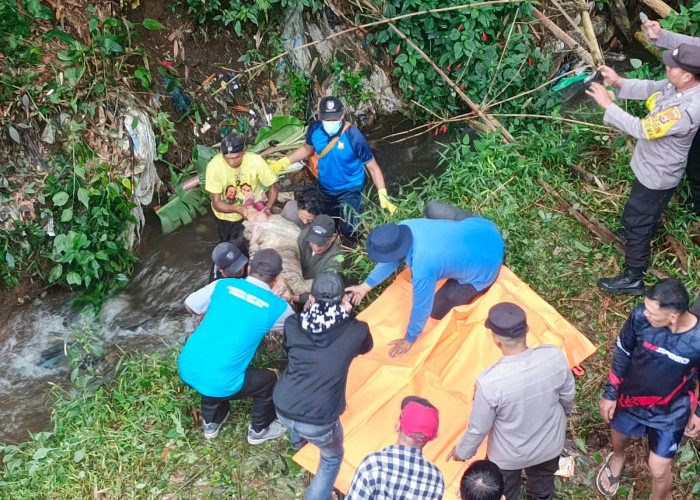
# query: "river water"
{"type": "Point", "coordinates": [148, 314]}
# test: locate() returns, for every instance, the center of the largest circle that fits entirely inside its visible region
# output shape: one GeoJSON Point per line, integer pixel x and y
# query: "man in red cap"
{"type": "Point", "coordinates": [521, 404]}
{"type": "Point", "coordinates": [400, 470]}
{"type": "Point", "coordinates": [664, 138]}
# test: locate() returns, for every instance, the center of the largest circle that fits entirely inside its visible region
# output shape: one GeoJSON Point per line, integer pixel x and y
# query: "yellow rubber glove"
{"type": "Point", "coordinates": [384, 201]}
{"type": "Point", "coordinates": [277, 165]}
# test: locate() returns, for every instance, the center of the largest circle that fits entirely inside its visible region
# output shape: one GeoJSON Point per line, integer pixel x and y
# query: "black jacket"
{"type": "Point", "coordinates": [312, 387]}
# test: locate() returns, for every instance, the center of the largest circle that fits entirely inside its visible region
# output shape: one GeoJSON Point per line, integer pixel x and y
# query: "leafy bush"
{"type": "Point", "coordinates": [488, 51]}
{"type": "Point", "coordinates": [92, 214]}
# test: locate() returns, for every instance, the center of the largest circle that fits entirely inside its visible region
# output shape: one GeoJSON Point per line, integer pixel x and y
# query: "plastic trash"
{"type": "Point", "coordinates": [569, 81]}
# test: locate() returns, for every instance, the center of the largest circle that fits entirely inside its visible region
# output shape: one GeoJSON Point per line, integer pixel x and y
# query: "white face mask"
{"type": "Point", "coordinates": [331, 127]}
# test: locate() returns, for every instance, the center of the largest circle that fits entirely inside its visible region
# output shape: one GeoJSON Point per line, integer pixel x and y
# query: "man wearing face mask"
{"type": "Point", "coordinates": [343, 153]}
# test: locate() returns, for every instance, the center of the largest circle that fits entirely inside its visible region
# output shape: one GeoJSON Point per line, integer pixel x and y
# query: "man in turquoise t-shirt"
{"type": "Point", "coordinates": [237, 313]}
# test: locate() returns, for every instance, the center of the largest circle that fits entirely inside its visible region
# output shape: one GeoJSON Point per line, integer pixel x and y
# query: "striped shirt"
{"type": "Point", "coordinates": [396, 472]}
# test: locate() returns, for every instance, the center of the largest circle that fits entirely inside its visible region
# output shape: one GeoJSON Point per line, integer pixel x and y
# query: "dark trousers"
{"type": "Point", "coordinates": [452, 294]}
{"type": "Point", "coordinates": [640, 221]}
{"type": "Point", "coordinates": [437, 209]}
{"type": "Point", "coordinates": [539, 484]}
{"type": "Point", "coordinates": [692, 171]}
{"type": "Point", "coordinates": [258, 384]}
{"type": "Point", "coordinates": [229, 230]}
{"type": "Point", "coordinates": [345, 207]}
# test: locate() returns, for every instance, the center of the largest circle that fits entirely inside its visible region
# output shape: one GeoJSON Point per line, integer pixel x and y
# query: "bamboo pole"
{"type": "Point", "coordinates": [566, 15]}
{"type": "Point", "coordinates": [593, 46]}
{"type": "Point", "coordinates": [660, 7]}
{"type": "Point", "coordinates": [561, 35]}
{"type": "Point", "coordinates": [645, 43]}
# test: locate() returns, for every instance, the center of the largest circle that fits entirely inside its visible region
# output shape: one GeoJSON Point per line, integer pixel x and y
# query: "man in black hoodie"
{"type": "Point", "coordinates": [321, 342]}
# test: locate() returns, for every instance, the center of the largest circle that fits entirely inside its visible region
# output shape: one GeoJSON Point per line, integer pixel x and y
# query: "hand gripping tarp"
{"type": "Point", "coordinates": [442, 366]}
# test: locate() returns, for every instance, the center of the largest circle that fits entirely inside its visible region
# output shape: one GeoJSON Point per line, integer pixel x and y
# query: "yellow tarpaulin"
{"type": "Point", "coordinates": [442, 366]}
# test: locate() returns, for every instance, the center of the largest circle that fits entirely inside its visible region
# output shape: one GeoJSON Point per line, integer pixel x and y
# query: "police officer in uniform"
{"type": "Point", "coordinates": [663, 137]}
{"type": "Point", "coordinates": [669, 40]}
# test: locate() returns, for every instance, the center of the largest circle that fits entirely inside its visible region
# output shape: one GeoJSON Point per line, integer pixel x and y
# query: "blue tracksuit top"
{"type": "Point", "coordinates": [216, 356]}
{"type": "Point", "coordinates": [469, 251]}
{"type": "Point", "coordinates": [343, 167]}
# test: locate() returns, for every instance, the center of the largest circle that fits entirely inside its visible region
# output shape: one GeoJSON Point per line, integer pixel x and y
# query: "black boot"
{"type": "Point", "coordinates": [630, 282]}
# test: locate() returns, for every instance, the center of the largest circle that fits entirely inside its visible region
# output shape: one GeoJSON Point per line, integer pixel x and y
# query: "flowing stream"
{"type": "Point", "coordinates": [148, 314]}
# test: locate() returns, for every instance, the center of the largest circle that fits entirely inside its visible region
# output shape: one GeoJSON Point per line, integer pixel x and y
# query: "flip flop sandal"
{"type": "Point", "coordinates": [613, 481]}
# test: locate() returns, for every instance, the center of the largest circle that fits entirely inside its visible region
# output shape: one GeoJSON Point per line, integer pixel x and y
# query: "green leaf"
{"type": "Point", "coordinates": [60, 34]}
{"type": "Point", "coordinates": [66, 215]}
{"type": "Point", "coordinates": [73, 278]}
{"type": "Point", "coordinates": [79, 455]}
{"type": "Point", "coordinates": [636, 63]}
{"type": "Point", "coordinates": [152, 24]}
{"type": "Point", "coordinates": [9, 258]}
{"type": "Point", "coordinates": [55, 273]}
{"type": "Point", "coordinates": [40, 453]}
{"type": "Point", "coordinates": [83, 196]}
{"type": "Point", "coordinates": [60, 198]}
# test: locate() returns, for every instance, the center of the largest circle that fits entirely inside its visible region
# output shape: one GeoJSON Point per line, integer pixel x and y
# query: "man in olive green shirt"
{"type": "Point", "coordinates": [319, 251]}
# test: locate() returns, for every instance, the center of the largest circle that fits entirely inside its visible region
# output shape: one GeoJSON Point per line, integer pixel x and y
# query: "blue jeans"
{"type": "Point", "coordinates": [329, 440]}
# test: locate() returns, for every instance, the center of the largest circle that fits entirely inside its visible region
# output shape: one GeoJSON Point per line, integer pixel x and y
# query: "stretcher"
{"type": "Point", "coordinates": [442, 366]}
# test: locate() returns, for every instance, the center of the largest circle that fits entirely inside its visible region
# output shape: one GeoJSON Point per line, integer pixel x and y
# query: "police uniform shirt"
{"type": "Point", "coordinates": [664, 135]}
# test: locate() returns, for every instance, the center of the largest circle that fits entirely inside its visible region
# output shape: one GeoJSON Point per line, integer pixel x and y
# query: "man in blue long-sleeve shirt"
{"type": "Point", "coordinates": [468, 253]}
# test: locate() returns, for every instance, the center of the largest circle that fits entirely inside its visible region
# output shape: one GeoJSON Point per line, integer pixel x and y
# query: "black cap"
{"type": "Point", "coordinates": [685, 57]}
{"type": "Point", "coordinates": [232, 144]}
{"type": "Point", "coordinates": [229, 258]}
{"type": "Point", "coordinates": [507, 320]}
{"type": "Point", "coordinates": [328, 287]}
{"type": "Point", "coordinates": [266, 262]}
{"type": "Point", "coordinates": [330, 108]}
{"type": "Point", "coordinates": [321, 229]}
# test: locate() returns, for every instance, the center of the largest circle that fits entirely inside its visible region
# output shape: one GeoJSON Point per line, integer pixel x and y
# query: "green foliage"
{"type": "Point", "coordinates": [136, 433]}
{"type": "Point", "coordinates": [473, 47]}
{"type": "Point", "coordinates": [93, 221]}
{"type": "Point", "coordinates": [243, 14]}
{"type": "Point", "coordinates": [350, 84]}
{"type": "Point", "coordinates": [13, 31]}
{"type": "Point", "coordinates": [296, 90]}
{"type": "Point", "coordinates": [686, 21]}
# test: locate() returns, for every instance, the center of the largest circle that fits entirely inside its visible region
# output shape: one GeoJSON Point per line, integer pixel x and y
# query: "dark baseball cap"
{"type": "Point", "coordinates": [684, 56]}
{"type": "Point", "coordinates": [232, 144]}
{"type": "Point", "coordinates": [267, 262]}
{"type": "Point", "coordinates": [328, 287]}
{"type": "Point", "coordinates": [507, 320]}
{"type": "Point", "coordinates": [330, 108]}
{"type": "Point", "coordinates": [321, 229]}
{"type": "Point", "coordinates": [228, 257]}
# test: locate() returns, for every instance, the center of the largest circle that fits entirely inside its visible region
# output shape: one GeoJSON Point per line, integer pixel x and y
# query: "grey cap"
{"type": "Point", "coordinates": [328, 287]}
{"type": "Point", "coordinates": [267, 262]}
{"type": "Point", "coordinates": [507, 320]}
{"type": "Point", "coordinates": [229, 258]}
{"type": "Point", "coordinates": [321, 229]}
{"type": "Point", "coordinates": [685, 57]}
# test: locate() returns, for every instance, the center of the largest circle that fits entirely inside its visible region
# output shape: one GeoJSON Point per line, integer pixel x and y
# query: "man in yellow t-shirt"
{"type": "Point", "coordinates": [235, 167]}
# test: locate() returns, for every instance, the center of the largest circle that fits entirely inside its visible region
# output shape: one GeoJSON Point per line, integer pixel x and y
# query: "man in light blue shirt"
{"type": "Point", "coordinates": [468, 253]}
{"type": "Point", "coordinates": [236, 315]}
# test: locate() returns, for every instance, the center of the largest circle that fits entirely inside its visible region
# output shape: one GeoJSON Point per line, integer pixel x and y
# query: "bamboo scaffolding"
{"type": "Point", "coordinates": [564, 37]}
{"type": "Point", "coordinates": [660, 7]}
{"type": "Point", "coordinates": [593, 46]}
